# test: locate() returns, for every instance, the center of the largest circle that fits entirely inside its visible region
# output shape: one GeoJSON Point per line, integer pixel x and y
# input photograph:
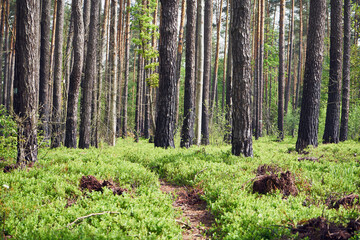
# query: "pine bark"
{"type": "Point", "coordinates": [206, 102]}
{"type": "Point", "coordinates": [44, 106]}
{"type": "Point", "coordinates": [90, 77]}
{"type": "Point", "coordinates": [199, 69]}
{"type": "Point", "coordinates": [309, 115]}
{"type": "Point", "coordinates": [290, 59]}
{"type": "Point", "coordinates": [179, 57]}
{"type": "Point", "coordinates": [102, 56]}
{"type": "Point", "coordinates": [229, 84]}
{"type": "Point", "coordinates": [281, 72]}
{"type": "Point", "coordinates": [126, 77]}
{"type": "Point", "coordinates": [240, 31]}
{"type": "Point", "coordinates": [214, 90]}
{"type": "Point", "coordinates": [139, 87]}
{"type": "Point", "coordinates": [113, 72]}
{"type": "Point", "coordinates": [2, 24]}
{"type": "Point", "coordinates": [299, 70]}
{"type": "Point", "coordinates": [165, 121]}
{"type": "Point", "coordinates": [187, 132]}
{"type": "Point", "coordinates": [6, 55]}
{"type": "Point", "coordinates": [56, 139]}
{"type": "Point", "coordinates": [225, 56]}
{"type": "Point", "coordinates": [75, 77]}
{"type": "Point", "coordinates": [346, 72]}
{"type": "Point", "coordinates": [27, 78]}
{"type": "Point", "coordinates": [331, 133]}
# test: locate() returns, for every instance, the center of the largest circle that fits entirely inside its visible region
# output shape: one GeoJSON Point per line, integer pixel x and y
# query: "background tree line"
{"type": "Point", "coordinates": [87, 71]}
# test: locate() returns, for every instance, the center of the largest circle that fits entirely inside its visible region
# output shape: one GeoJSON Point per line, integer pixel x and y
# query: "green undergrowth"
{"type": "Point", "coordinates": [34, 205]}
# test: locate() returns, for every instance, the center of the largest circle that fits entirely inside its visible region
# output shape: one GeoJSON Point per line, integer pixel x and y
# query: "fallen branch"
{"type": "Point", "coordinates": [90, 215]}
{"type": "Point", "coordinates": [200, 172]}
{"type": "Point", "coordinates": [251, 180]}
{"type": "Point", "coordinates": [183, 223]}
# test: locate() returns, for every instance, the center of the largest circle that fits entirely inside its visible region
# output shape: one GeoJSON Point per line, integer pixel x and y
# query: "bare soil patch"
{"type": "Point", "coordinates": [92, 184]}
{"type": "Point", "coordinates": [267, 169]}
{"type": "Point", "coordinates": [196, 220]}
{"type": "Point", "coordinates": [268, 180]}
{"type": "Point", "coordinates": [11, 167]}
{"type": "Point", "coordinates": [321, 228]}
{"type": "Point", "coordinates": [347, 201]}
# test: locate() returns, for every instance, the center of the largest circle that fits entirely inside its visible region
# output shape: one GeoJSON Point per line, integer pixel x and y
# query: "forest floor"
{"type": "Point", "coordinates": [136, 191]}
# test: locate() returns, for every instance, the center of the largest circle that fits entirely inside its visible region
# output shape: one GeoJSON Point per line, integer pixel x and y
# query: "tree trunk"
{"type": "Point", "coordinates": [331, 134]}
{"type": "Point", "coordinates": [113, 72]}
{"type": "Point", "coordinates": [260, 74]}
{"type": "Point", "coordinates": [45, 69]}
{"type": "Point", "coordinates": [58, 56]}
{"type": "Point", "coordinates": [138, 111]}
{"type": "Point", "coordinates": [52, 53]}
{"type": "Point", "coordinates": [346, 72]}
{"type": "Point", "coordinates": [90, 77]}
{"type": "Point", "coordinates": [207, 73]}
{"type": "Point", "coordinates": [2, 24]}
{"type": "Point", "coordinates": [216, 65]}
{"type": "Point", "coordinates": [11, 70]}
{"type": "Point", "coordinates": [102, 56]}
{"type": "Point", "coordinates": [6, 55]}
{"type": "Point", "coordinates": [299, 72]}
{"type": "Point", "coordinates": [199, 69]}
{"type": "Point", "coordinates": [126, 79]}
{"type": "Point", "coordinates": [281, 72]}
{"type": "Point", "coordinates": [179, 57]}
{"type": "Point", "coordinates": [164, 135]}
{"type": "Point", "coordinates": [288, 82]}
{"type": "Point", "coordinates": [75, 77]}
{"type": "Point", "coordinates": [187, 132]}
{"type": "Point", "coordinates": [309, 115]}
{"type": "Point", "coordinates": [120, 57]}
{"type": "Point", "coordinates": [26, 78]}
{"type": "Point", "coordinates": [229, 75]}
{"type": "Point", "coordinates": [240, 31]}
{"type": "Point", "coordinates": [225, 59]}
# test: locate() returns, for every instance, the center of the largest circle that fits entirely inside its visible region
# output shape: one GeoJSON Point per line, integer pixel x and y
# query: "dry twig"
{"type": "Point", "coordinates": [90, 215]}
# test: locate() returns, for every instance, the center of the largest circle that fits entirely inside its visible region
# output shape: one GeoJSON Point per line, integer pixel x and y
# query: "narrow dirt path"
{"type": "Point", "coordinates": [196, 220]}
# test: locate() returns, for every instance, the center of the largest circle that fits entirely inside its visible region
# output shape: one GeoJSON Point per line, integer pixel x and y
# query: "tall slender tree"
{"type": "Point", "coordinates": [199, 69]}
{"type": "Point", "coordinates": [290, 58]}
{"type": "Point", "coordinates": [187, 132]}
{"type": "Point", "coordinates": [216, 64]}
{"type": "Point", "coordinates": [56, 139]}
{"type": "Point", "coordinates": [281, 72]}
{"type": "Point", "coordinates": [45, 68]}
{"type": "Point", "coordinates": [240, 31]}
{"type": "Point", "coordinates": [126, 77]}
{"type": "Point", "coordinates": [229, 85]}
{"type": "Point", "coordinates": [207, 73]}
{"type": "Point", "coordinates": [6, 55]}
{"type": "Point", "coordinates": [164, 134]}
{"type": "Point", "coordinates": [179, 56]}
{"type": "Point", "coordinates": [113, 72]}
{"type": "Point", "coordinates": [75, 77]}
{"type": "Point", "coordinates": [102, 58]}
{"type": "Point", "coordinates": [90, 77]}
{"type": "Point", "coordinates": [27, 78]}
{"type": "Point", "coordinates": [225, 56]}
{"type": "Point", "coordinates": [346, 72]}
{"type": "Point", "coordinates": [2, 24]}
{"type": "Point", "coordinates": [309, 114]}
{"type": "Point", "coordinates": [299, 69]}
{"type": "Point", "coordinates": [331, 133]}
